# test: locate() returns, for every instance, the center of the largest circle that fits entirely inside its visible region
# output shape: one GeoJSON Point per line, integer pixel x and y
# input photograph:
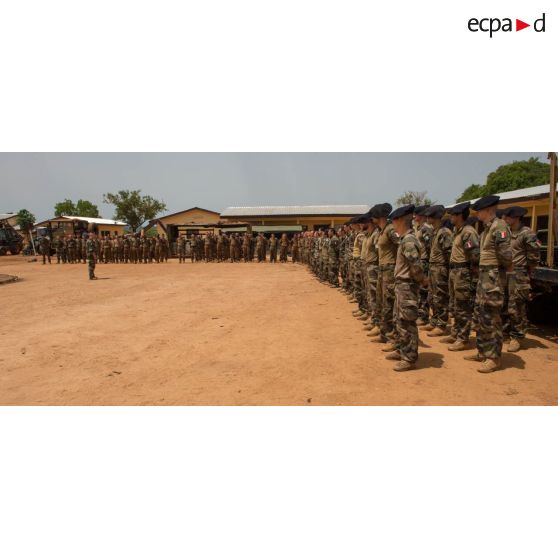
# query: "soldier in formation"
{"type": "Point", "coordinates": [415, 267]}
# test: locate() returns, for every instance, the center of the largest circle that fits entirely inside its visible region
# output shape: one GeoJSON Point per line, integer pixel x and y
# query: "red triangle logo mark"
{"type": "Point", "coordinates": [519, 25]}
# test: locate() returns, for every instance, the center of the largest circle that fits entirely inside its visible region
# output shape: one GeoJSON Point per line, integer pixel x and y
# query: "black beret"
{"type": "Point", "coordinates": [459, 208]}
{"type": "Point", "coordinates": [381, 210]}
{"type": "Point", "coordinates": [435, 211]}
{"type": "Point", "coordinates": [515, 211]}
{"type": "Point", "coordinates": [487, 201]}
{"type": "Point", "coordinates": [420, 209]}
{"type": "Point", "coordinates": [402, 211]}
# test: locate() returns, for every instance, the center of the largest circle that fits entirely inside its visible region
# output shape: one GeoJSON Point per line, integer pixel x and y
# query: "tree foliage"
{"type": "Point", "coordinates": [513, 176]}
{"type": "Point", "coordinates": [472, 192]}
{"type": "Point", "coordinates": [83, 208]}
{"type": "Point", "coordinates": [133, 208]}
{"type": "Point", "coordinates": [415, 198]}
{"type": "Point", "coordinates": [25, 219]}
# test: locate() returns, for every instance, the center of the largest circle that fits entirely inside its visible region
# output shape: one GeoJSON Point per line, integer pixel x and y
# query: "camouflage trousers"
{"type": "Point", "coordinates": [405, 315]}
{"type": "Point", "coordinates": [516, 298]}
{"type": "Point", "coordinates": [346, 274]}
{"type": "Point", "coordinates": [91, 266]}
{"type": "Point", "coordinates": [358, 291]}
{"type": "Point", "coordinates": [371, 287]}
{"type": "Point", "coordinates": [490, 303]}
{"type": "Point", "coordinates": [461, 298]}
{"type": "Point", "coordinates": [333, 271]}
{"type": "Point", "coordinates": [424, 302]}
{"type": "Point", "coordinates": [385, 299]}
{"type": "Point", "coordinates": [272, 255]}
{"type": "Point", "coordinates": [439, 295]}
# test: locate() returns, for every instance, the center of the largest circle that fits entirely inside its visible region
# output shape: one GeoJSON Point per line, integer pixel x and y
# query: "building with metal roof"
{"type": "Point", "coordinates": [70, 224]}
{"type": "Point", "coordinates": [535, 200]}
{"type": "Point", "coordinates": [297, 217]}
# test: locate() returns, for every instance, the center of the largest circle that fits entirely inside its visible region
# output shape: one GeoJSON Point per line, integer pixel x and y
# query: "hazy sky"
{"type": "Point", "coordinates": [36, 181]}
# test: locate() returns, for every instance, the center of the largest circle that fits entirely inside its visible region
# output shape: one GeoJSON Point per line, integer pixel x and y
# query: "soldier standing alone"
{"type": "Point", "coordinates": [91, 250]}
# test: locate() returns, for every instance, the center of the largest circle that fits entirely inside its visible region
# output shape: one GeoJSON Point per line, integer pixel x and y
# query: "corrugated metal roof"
{"type": "Point", "coordinates": [294, 210]}
{"type": "Point", "coordinates": [517, 194]}
{"type": "Point", "coordinates": [95, 220]}
{"type": "Point", "coordinates": [276, 228]}
{"type": "Point", "coordinates": [7, 215]}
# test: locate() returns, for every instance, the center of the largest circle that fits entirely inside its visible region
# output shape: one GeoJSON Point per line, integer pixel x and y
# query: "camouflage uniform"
{"type": "Point", "coordinates": [126, 242]}
{"type": "Point", "coordinates": [283, 249]}
{"type": "Point", "coordinates": [44, 245]}
{"type": "Point", "coordinates": [134, 246]}
{"type": "Point", "coordinates": [272, 249]}
{"type": "Point", "coordinates": [526, 253]}
{"type": "Point", "coordinates": [181, 249]}
{"type": "Point", "coordinates": [388, 243]}
{"type": "Point", "coordinates": [408, 275]}
{"type": "Point", "coordinates": [440, 252]}
{"type": "Point", "coordinates": [370, 271]}
{"type": "Point", "coordinates": [60, 251]}
{"type": "Point", "coordinates": [495, 258]}
{"type": "Point", "coordinates": [72, 250]}
{"type": "Point", "coordinates": [463, 269]}
{"type": "Point", "coordinates": [324, 259]}
{"type": "Point", "coordinates": [333, 260]}
{"type": "Point", "coordinates": [358, 291]}
{"type": "Point", "coordinates": [295, 249]}
{"type": "Point", "coordinates": [90, 248]}
{"type": "Point", "coordinates": [424, 236]}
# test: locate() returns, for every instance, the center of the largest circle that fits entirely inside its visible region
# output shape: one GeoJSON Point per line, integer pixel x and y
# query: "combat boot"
{"type": "Point", "coordinates": [450, 339]}
{"type": "Point", "coordinates": [364, 317]}
{"type": "Point", "coordinates": [389, 348]}
{"type": "Point", "coordinates": [376, 330]}
{"type": "Point", "coordinates": [428, 327]}
{"type": "Point", "coordinates": [357, 313]}
{"type": "Point", "coordinates": [514, 346]}
{"type": "Point", "coordinates": [459, 345]}
{"type": "Point", "coordinates": [378, 339]}
{"type": "Point", "coordinates": [393, 356]}
{"type": "Point", "coordinates": [367, 327]}
{"type": "Point", "coordinates": [403, 366]}
{"type": "Point", "coordinates": [436, 332]}
{"type": "Point", "coordinates": [474, 358]}
{"type": "Point", "coordinates": [489, 365]}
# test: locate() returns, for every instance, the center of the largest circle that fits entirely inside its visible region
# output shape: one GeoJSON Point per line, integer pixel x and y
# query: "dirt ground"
{"type": "Point", "coordinates": [224, 334]}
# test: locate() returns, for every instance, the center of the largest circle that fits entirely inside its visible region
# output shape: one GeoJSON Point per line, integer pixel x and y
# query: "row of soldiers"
{"type": "Point", "coordinates": [413, 267]}
{"type": "Point", "coordinates": [237, 247]}
{"type": "Point", "coordinates": [131, 248]}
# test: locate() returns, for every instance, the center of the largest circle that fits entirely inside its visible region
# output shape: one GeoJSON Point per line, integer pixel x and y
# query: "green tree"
{"type": "Point", "coordinates": [415, 198]}
{"type": "Point", "coordinates": [65, 207]}
{"type": "Point", "coordinates": [133, 208]}
{"type": "Point", "coordinates": [516, 175]}
{"type": "Point", "coordinates": [25, 219]}
{"type": "Point", "coordinates": [83, 208]}
{"type": "Point", "coordinates": [513, 176]}
{"type": "Point", "coordinates": [472, 192]}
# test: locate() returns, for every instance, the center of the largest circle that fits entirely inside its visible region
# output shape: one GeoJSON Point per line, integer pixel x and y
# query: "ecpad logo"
{"type": "Point", "coordinates": [493, 25]}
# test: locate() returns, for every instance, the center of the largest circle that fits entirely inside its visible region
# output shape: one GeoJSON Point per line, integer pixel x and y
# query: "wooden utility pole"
{"type": "Point", "coordinates": [552, 216]}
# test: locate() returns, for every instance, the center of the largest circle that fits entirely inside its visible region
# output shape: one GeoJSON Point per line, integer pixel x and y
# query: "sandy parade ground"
{"type": "Point", "coordinates": [225, 334]}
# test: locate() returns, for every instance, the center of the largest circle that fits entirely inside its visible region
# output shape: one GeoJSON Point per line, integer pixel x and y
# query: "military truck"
{"type": "Point", "coordinates": [10, 240]}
